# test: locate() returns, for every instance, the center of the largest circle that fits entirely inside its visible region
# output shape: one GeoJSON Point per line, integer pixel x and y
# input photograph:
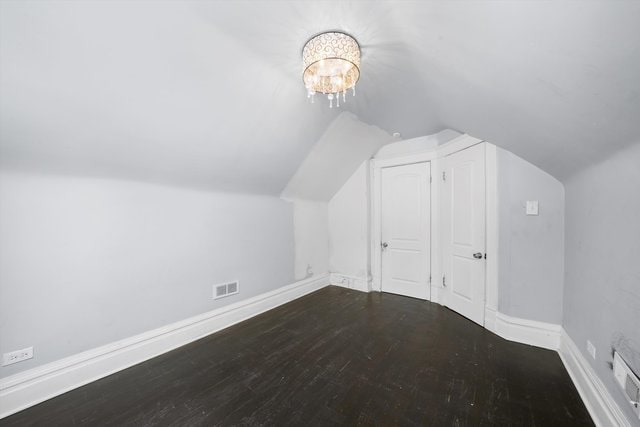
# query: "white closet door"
{"type": "Point", "coordinates": [464, 232]}
{"type": "Point", "coordinates": [405, 229]}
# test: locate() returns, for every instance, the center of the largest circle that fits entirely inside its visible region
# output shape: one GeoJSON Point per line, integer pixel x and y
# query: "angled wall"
{"type": "Point", "coordinates": [341, 150]}
{"type": "Point", "coordinates": [86, 262]}
{"type": "Point", "coordinates": [602, 278]}
{"type": "Point", "coordinates": [530, 247]}
{"type": "Point", "coordinates": [311, 236]}
{"type": "Point", "coordinates": [349, 237]}
{"type": "Point", "coordinates": [346, 143]}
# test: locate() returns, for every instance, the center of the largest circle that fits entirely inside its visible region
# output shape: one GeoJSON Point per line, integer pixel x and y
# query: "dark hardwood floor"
{"type": "Point", "coordinates": [335, 357]}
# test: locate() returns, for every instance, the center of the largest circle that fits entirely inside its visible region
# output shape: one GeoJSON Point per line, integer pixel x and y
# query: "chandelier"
{"type": "Point", "coordinates": [331, 66]}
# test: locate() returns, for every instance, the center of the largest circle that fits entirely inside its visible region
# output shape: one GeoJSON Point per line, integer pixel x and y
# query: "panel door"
{"type": "Point", "coordinates": [405, 222]}
{"type": "Point", "coordinates": [464, 232]}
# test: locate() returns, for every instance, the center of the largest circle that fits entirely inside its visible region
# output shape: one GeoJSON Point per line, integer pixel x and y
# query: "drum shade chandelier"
{"type": "Point", "coordinates": [331, 66]}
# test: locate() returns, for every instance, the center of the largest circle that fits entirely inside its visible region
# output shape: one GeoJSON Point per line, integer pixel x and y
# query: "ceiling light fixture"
{"type": "Point", "coordinates": [331, 66]}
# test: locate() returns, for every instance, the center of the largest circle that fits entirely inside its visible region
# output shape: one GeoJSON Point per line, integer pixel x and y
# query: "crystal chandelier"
{"type": "Point", "coordinates": [331, 66]}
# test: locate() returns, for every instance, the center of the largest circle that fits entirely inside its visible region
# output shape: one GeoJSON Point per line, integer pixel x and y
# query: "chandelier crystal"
{"type": "Point", "coordinates": [331, 66]}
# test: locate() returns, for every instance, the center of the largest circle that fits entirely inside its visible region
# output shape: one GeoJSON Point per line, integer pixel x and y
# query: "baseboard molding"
{"type": "Point", "coordinates": [351, 282]}
{"type": "Point", "coordinates": [531, 332]}
{"type": "Point", "coordinates": [36, 385]}
{"type": "Point", "coordinates": [490, 319]}
{"type": "Point", "coordinates": [601, 406]}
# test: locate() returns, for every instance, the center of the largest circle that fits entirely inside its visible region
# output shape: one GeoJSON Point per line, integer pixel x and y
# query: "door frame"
{"type": "Point", "coordinates": [435, 156]}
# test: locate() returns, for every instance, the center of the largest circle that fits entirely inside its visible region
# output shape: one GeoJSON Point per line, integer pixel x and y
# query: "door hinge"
{"type": "Point", "coordinates": [444, 176]}
{"type": "Point", "coordinates": [429, 279]}
{"type": "Point", "coordinates": [430, 178]}
{"type": "Point", "coordinates": [485, 256]}
{"type": "Point", "coordinates": [444, 281]}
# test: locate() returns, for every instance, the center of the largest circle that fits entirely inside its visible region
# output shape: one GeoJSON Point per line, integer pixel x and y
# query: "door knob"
{"type": "Point", "coordinates": [384, 245]}
{"type": "Point", "coordinates": [477, 255]}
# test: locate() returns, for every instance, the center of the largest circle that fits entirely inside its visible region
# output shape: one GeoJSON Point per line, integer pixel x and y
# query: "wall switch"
{"type": "Point", "coordinates": [532, 207]}
{"type": "Point", "coordinates": [591, 349]}
{"type": "Point", "coordinates": [17, 356]}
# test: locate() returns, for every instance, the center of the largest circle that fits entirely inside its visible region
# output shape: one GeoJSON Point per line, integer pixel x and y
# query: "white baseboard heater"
{"type": "Point", "coordinates": [628, 380]}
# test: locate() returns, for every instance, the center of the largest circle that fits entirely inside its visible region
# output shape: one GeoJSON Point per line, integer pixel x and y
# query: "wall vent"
{"type": "Point", "coordinates": [628, 381]}
{"type": "Point", "coordinates": [226, 289]}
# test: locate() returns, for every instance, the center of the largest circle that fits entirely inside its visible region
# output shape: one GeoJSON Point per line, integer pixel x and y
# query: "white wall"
{"type": "Point", "coordinates": [602, 286]}
{"type": "Point", "coordinates": [531, 251]}
{"type": "Point", "coordinates": [334, 158]}
{"type": "Point", "coordinates": [85, 262]}
{"type": "Point", "coordinates": [349, 237]}
{"type": "Point", "coordinates": [337, 154]}
{"type": "Point", "coordinates": [311, 236]}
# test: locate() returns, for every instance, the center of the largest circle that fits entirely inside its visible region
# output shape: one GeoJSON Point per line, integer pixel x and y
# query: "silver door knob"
{"type": "Point", "coordinates": [477, 255]}
{"type": "Point", "coordinates": [384, 245]}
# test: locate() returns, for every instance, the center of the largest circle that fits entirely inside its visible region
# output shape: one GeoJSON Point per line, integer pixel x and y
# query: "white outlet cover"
{"type": "Point", "coordinates": [17, 356]}
{"type": "Point", "coordinates": [532, 207]}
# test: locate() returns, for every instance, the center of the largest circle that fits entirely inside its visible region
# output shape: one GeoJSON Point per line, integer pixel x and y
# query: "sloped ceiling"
{"type": "Point", "coordinates": [334, 158]}
{"type": "Point", "coordinates": [209, 94]}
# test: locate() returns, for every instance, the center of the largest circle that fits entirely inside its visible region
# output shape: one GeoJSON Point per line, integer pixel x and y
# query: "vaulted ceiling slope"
{"type": "Point", "coordinates": [209, 94]}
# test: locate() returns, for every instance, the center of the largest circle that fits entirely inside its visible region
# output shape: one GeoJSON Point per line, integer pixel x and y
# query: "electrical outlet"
{"type": "Point", "coordinates": [17, 356]}
{"type": "Point", "coordinates": [591, 349]}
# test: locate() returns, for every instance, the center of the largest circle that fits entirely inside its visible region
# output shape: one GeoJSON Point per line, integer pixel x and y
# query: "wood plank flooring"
{"type": "Point", "coordinates": [334, 357]}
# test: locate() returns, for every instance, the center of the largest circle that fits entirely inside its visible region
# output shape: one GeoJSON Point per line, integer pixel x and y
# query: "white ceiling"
{"type": "Point", "coordinates": [209, 94]}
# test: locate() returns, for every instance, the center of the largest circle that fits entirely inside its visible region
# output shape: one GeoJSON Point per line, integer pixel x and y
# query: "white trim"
{"type": "Point", "coordinates": [420, 157]}
{"type": "Point", "coordinates": [600, 404]}
{"type": "Point", "coordinates": [437, 292]}
{"type": "Point", "coordinates": [351, 282]}
{"type": "Point", "coordinates": [456, 144]}
{"type": "Point", "coordinates": [492, 227]}
{"type": "Point", "coordinates": [36, 385]}
{"type": "Point", "coordinates": [532, 332]}
{"type": "Point", "coordinates": [376, 224]}
{"type": "Point", "coordinates": [490, 319]}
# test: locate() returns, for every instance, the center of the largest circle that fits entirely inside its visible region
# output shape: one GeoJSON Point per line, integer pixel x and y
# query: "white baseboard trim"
{"type": "Point", "coordinates": [531, 332]}
{"type": "Point", "coordinates": [601, 406]}
{"type": "Point", "coordinates": [351, 282]}
{"type": "Point", "coordinates": [36, 385]}
{"type": "Point", "coordinates": [490, 319]}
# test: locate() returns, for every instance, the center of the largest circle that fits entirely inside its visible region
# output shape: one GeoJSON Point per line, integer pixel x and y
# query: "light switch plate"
{"type": "Point", "coordinates": [532, 207]}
